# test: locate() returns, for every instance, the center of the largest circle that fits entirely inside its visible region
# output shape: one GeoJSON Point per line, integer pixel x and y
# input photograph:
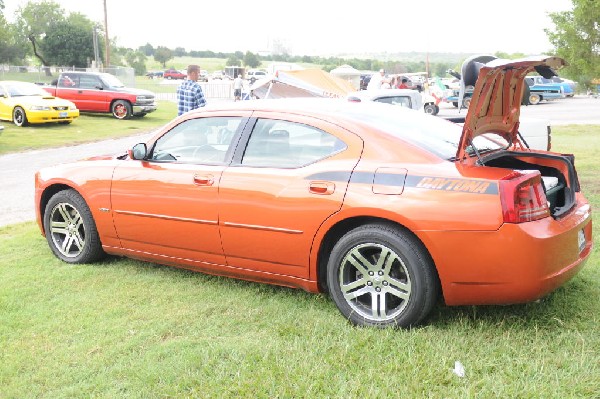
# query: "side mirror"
{"type": "Point", "coordinates": [138, 152]}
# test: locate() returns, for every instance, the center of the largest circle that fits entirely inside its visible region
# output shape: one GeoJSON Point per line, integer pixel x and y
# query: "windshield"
{"type": "Point", "coordinates": [18, 89]}
{"type": "Point", "coordinates": [111, 80]}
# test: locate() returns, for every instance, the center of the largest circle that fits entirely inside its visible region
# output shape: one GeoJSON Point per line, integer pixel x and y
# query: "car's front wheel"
{"type": "Point", "coordinates": [431, 109]}
{"type": "Point", "coordinates": [19, 117]}
{"type": "Point", "coordinates": [121, 109]}
{"type": "Point", "coordinates": [70, 228]}
{"type": "Point", "coordinates": [379, 275]}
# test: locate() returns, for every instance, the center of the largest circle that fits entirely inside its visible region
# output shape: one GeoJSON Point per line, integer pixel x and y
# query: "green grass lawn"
{"type": "Point", "coordinates": [88, 127]}
{"type": "Point", "coordinates": [123, 328]}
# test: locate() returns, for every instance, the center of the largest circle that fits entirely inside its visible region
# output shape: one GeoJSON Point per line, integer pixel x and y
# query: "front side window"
{"type": "Point", "coordinates": [283, 144]}
{"type": "Point", "coordinates": [89, 82]}
{"type": "Point", "coordinates": [68, 81]}
{"type": "Point", "coordinates": [198, 141]}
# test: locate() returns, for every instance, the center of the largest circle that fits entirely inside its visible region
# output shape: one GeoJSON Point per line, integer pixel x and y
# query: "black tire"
{"type": "Point", "coordinates": [431, 109]}
{"type": "Point", "coordinates": [20, 117]}
{"type": "Point", "coordinates": [121, 109]}
{"type": "Point", "coordinates": [534, 99]}
{"type": "Point", "coordinates": [70, 228]}
{"type": "Point", "coordinates": [455, 103]}
{"type": "Point", "coordinates": [399, 292]}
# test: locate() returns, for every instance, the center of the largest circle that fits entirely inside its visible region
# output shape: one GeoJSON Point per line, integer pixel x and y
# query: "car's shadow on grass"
{"type": "Point", "coordinates": [563, 307]}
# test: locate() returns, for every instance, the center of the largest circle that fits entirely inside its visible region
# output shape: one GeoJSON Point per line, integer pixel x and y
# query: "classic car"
{"type": "Point", "coordinates": [24, 103]}
{"type": "Point", "coordinates": [384, 208]}
{"type": "Point", "coordinates": [541, 88]}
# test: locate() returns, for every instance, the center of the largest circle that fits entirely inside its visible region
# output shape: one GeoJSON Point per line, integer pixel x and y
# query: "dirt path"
{"type": "Point", "coordinates": [17, 173]}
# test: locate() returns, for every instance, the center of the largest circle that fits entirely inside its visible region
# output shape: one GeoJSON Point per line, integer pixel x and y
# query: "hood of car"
{"type": "Point", "coordinates": [496, 101]}
{"type": "Point", "coordinates": [134, 91]}
{"type": "Point", "coordinates": [41, 101]}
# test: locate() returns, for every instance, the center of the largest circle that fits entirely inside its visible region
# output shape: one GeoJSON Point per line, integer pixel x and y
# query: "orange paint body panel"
{"type": "Point", "coordinates": [278, 224]}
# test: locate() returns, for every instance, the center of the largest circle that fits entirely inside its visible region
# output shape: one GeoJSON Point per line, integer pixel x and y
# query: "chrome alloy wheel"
{"type": "Point", "coordinates": [375, 282]}
{"type": "Point", "coordinates": [67, 230]}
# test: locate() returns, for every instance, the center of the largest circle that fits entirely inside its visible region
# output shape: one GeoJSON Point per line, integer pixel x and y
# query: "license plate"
{"type": "Point", "coordinates": [581, 240]}
{"type": "Point", "coordinates": [63, 114]}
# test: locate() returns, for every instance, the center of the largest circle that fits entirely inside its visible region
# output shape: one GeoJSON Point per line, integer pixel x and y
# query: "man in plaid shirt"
{"type": "Point", "coordinates": [189, 93]}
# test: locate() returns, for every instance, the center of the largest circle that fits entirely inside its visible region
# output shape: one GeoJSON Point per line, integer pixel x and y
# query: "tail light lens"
{"type": "Point", "coordinates": [522, 197]}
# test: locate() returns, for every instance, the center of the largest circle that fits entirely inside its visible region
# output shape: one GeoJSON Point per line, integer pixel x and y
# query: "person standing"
{"type": "Point", "coordinates": [189, 93]}
{"type": "Point", "coordinates": [238, 83]}
{"type": "Point", "coordinates": [377, 80]}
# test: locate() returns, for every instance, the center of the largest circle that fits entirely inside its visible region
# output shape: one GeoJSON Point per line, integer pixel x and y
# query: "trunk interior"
{"type": "Point", "coordinates": [559, 177]}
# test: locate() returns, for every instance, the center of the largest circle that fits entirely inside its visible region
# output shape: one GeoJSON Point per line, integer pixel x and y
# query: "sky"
{"type": "Point", "coordinates": [325, 27]}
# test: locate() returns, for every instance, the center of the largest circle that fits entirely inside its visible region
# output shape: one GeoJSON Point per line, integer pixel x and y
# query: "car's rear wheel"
{"type": "Point", "coordinates": [534, 99]}
{"type": "Point", "coordinates": [466, 102]}
{"type": "Point", "coordinates": [19, 117]}
{"type": "Point", "coordinates": [70, 228]}
{"type": "Point", "coordinates": [379, 275]}
{"type": "Point", "coordinates": [121, 109]}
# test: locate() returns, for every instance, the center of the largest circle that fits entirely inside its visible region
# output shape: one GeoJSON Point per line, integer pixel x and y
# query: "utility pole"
{"type": "Point", "coordinates": [106, 39]}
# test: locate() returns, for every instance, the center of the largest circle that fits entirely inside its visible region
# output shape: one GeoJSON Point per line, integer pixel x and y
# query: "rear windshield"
{"type": "Point", "coordinates": [431, 133]}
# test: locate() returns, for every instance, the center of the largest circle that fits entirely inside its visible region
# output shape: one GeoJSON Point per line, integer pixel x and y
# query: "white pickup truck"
{"type": "Point", "coordinates": [536, 133]}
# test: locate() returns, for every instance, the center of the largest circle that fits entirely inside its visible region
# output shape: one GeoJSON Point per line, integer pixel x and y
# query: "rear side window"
{"type": "Point", "coordinates": [283, 144]}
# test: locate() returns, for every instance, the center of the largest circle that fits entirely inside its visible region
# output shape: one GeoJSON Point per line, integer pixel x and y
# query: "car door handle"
{"type": "Point", "coordinates": [204, 180]}
{"type": "Point", "coordinates": [322, 187]}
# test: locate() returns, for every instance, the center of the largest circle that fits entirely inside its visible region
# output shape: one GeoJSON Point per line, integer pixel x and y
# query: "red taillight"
{"type": "Point", "coordinates": [523, 198]}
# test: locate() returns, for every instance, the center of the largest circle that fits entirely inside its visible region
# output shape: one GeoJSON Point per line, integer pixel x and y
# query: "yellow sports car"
{"type": "Point", "coordinates": [25, 103]}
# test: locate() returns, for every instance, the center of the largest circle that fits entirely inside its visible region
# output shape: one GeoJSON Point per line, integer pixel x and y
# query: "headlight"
{"type": "Point", "coordinates": [39, 108]}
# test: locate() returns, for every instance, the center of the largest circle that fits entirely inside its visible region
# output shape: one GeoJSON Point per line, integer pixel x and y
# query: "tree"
{"type": "Point", "coordinates": [180, 52]}
{"type": "Point", "coordinates": [34, 20]}
{"type": "Point", "coordinates": [162, 55]}
{"type": "Point", "coordinates": [14, 47]}
{"type": "Point", "coordinates": [147, 49]}
{"type": "Point", "coordinates": [251, 60]}
{"type": "Point", "coordinates": [233, 61]}
{"type": "Point", "coordinates": [69, 42]}
{"type": "Point", "coordinates": [576, 38]}
{"type": "Point", "coordinates": [137, 60]}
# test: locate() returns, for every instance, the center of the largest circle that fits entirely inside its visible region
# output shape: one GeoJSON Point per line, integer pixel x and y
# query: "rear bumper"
{"type": "Point", "coordinates": [518, 263]}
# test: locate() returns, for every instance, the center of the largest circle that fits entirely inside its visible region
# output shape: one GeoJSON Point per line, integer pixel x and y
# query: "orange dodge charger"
{"type": "Point", "coordinates": [384, 208]}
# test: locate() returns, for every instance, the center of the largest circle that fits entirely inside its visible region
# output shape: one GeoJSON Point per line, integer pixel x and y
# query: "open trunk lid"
{"type": "Point", "coordinates": [496, 101]}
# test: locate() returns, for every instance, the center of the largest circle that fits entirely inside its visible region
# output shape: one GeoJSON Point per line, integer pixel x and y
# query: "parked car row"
{"type": "Point", "coordinates": [61, 101]}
